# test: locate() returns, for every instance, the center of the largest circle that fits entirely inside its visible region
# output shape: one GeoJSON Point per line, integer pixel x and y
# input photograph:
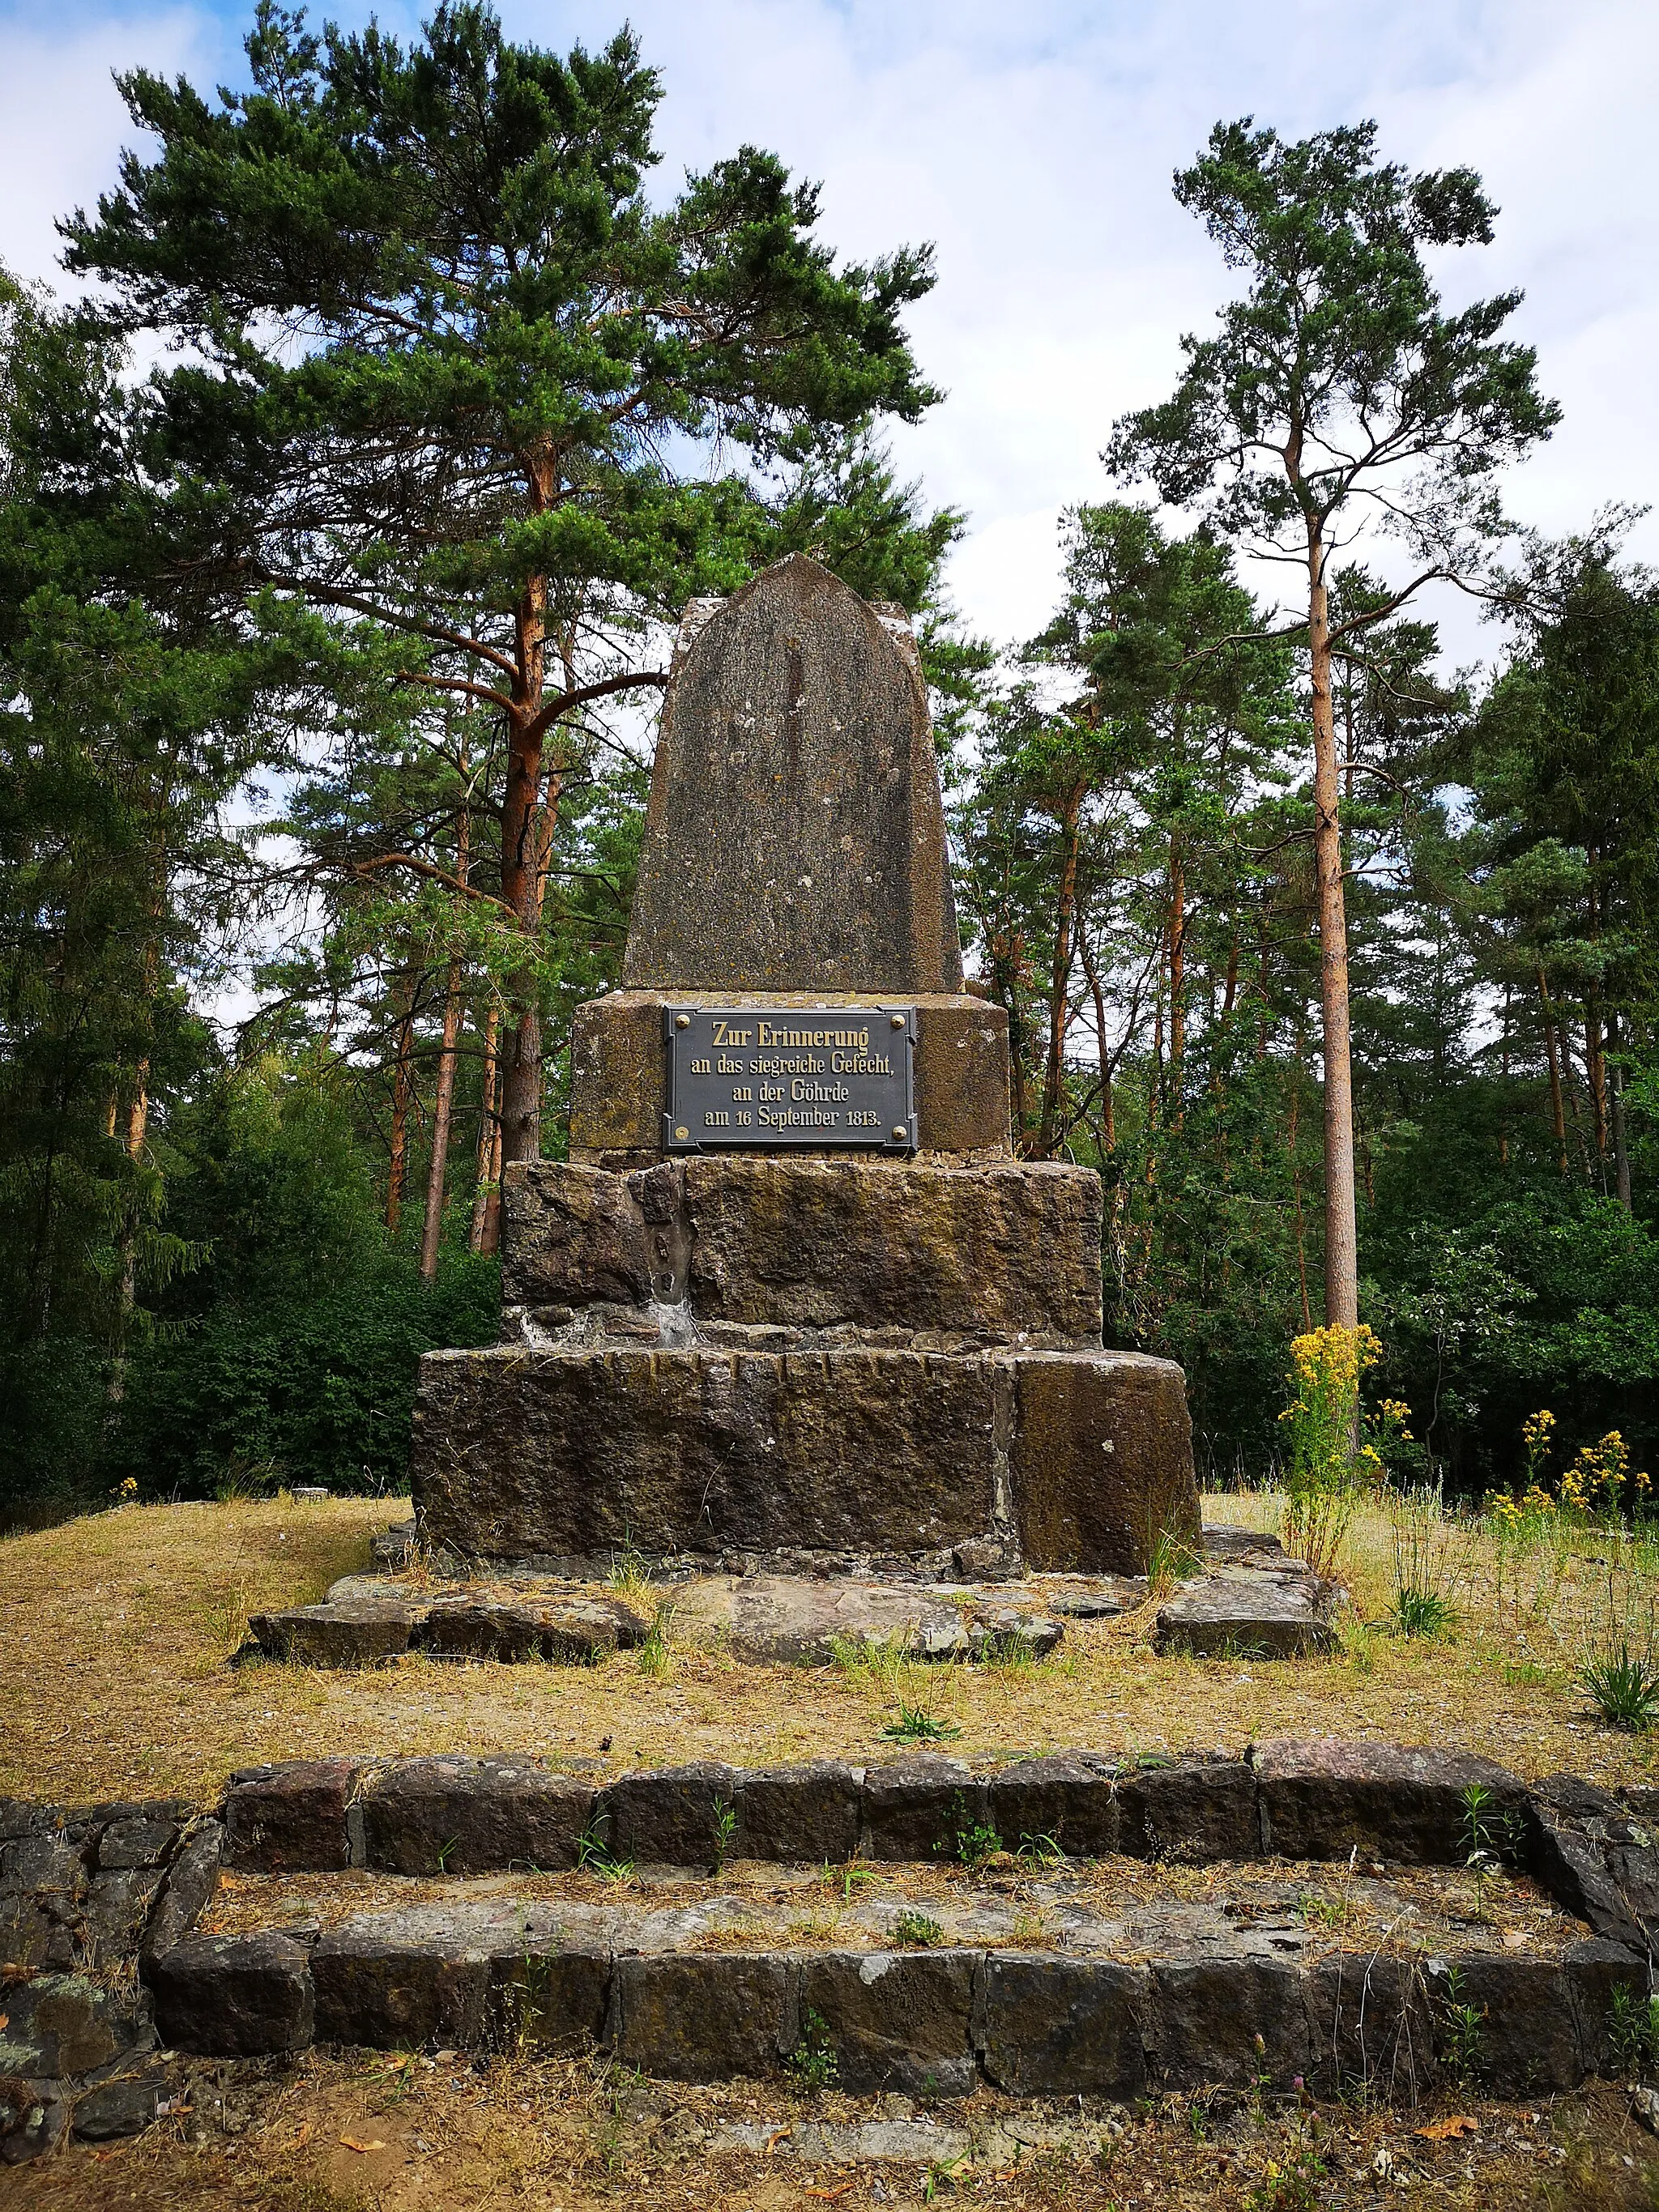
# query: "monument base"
{"type": "Point", "coordinates": [1065, 1461]}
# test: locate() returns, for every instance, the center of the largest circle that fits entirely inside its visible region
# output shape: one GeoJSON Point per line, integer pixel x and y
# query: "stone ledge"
{"type": "Point", "coordinates": [1313, 1799]}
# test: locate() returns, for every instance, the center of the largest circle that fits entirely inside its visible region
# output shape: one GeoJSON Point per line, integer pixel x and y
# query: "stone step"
{"type": "Point", "coordinates": [1291, 1798]}
{"type": "Point", "coordinates": [1042, 1980]}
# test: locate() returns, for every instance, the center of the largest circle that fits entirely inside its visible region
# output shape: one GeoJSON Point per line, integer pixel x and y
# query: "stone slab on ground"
{"type": "Point", "coordinates": [366, 1620]}
{"type": "Point", "coordinates": [1241, 1612]}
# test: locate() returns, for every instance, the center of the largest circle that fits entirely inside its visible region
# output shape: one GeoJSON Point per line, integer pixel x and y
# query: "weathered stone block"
{"type": "Point", "coordinates": [1006, 1250]}
{"type": "Point", "coordinates": [673, 1817]}
{"type": "Point", "coordinates": [794, 834]}
{"type": "Point", "coordinates": [142, 1838]}
{"type": "Point", "coordinates": [59, 2025]}
{"type": "Point", "coordinates": [463, 1816]}
{"type": "Point", "coordinates": [394, 1981]}
{"type": "Point", "coordinates": [35, 2118]}
{"type": "Point", "coordinates": [43, 1891]}
{"type": "Point", "coordinates": [1322, 1798]}
{"type": "Point", "coordinates": [1596, 1861]}
{"type": "Point", "coordinates": [1251, 1615]}
{"type": "Point", "coordinates": [1371, 2026]}
{"type": "Point", "coordinates": [117, 1912]}
{"type": "Point", "coordinates": [1100, 1461]}
{"type": "Point", "coordinates": [1525, 2041]}
{"type": "Point", "coordinates": [809, 1812]}
{"type": "Point", "coordinates": [289, 1819]}
{"type": "Point", "coordinates": [192, 1879]}
{"type": "Point", "coordinates": [1197, 1812]}
{"type": "Point", "coordinates": [703, 2018]}
{"type": "Point", "coordinates": [234, 1996]}
{"type": "Point", "coordinates": [619, 1069]}
{"type": "Point", "coordinates": [549, 1997]}
{"type": "Point", "coordinates": [1068, 1797]}
{"type": "Point", "coordinates": [519, 1454]}
{"type": "Point", "coordinates": [895, 2019]}
{"type": "Point", "coordinates": [1595, 1972]}
{"type": "Point", "coordinates": [916, 1808]}
{"type": "Point", "coordinates": [1228, 2020]}
{"type": "Point", "coordinates": [1061, 2027]}
{"type": "Point", "coordinates": [123, 2103]}
{"type": "Point", "coordinates": [366, 1633]}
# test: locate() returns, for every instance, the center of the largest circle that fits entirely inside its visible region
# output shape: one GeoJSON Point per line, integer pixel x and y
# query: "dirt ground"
{"type": "Point", "coordinates": [118, 1627]}
{"type": "Point", "coordinates": [434, 2135]}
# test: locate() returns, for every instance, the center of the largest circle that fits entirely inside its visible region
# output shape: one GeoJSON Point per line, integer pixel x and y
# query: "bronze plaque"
{"type": "Point", "coordinates": [776, 1078]}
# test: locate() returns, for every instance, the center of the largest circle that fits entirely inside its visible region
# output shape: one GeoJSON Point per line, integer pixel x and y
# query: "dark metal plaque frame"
{"type": "Point", "coordinates": [732, 1087]}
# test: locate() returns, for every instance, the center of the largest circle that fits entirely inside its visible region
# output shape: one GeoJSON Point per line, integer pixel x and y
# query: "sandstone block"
{"type": "Point", "coordinates": [808, 1812]}
{"type": "Point", "coordinates": [794, 834]}
{"type": "Point", "coordinates": [519, 1454]}
{"type": "Point", "coordinates": [1068, 1797]}
{"type": "Point", "coordinates": [192, 1880]}
{"type": "Point", "coordinates": [703, 2018]}
{"type": "Point", "coordinates": [464, 1816]}
{"type": "Point", "coordinates": [59, 2025]}
{"type": "Point", "coordinates": [1322, 1798]}
{"type": "Point", "coordinates": [1209, 2013]}
{"type": "Point", "coordinates": [1596, 1861]}
{"type": "Point", "coordinates": [1100, 1461]}
{"type": "Point", "coordinates": [1526, 2040]}
{"type": "Point", "coordinates": [122, 2104]}
{"type": "Point", "coordinates": [549, 1996]}
{"type": "Point", "coordinates": [1197, 1812]}
{"type": "Point", "coordinates": [895, 2019]}
{"type": "Point", "coordinates": [1371, 2026]}
{"type": "Point", "coordinates": [364, 1633]}
{"type": "Point", "coordinates": [289, 1819]}
{"type": "Point", "coordinates": [391, 1981]}
{"type": "Point", "coordinates": [142, 1838]}
{"type": "Point", "coordinates": [1246, 1614]}
{"type": "Point", "coordinates": [1062, 2027]}
{"type": "Point", "coordinates": [234, 1996]}
{"type": "Point", "coordinates": [1596, 1971]}
{"type": "Point", "coordinates": [673, 1817]}
{"type": "Point", "coordinates": [916, 1808]}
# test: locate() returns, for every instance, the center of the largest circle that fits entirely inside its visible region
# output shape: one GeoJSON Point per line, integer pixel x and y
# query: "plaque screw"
{"type": "Point", "coordinates": [897, 1021]}
{"type": "Point", "coordinates": [900, 1133]}
{"type": "Point", "coordinates": [680, 1136]}
{"type": "Point", "coordinates": [682, 1021]}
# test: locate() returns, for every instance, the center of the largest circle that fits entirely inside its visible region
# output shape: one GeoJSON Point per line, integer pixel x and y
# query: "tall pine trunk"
{"type": "Point", "coordinates": [402, 1085]}
{"type": "Point", "coordinates": [484, 1233]}
{"type": "Point", "coordinates": [1553, 1053]}
{"type": "Point", "coordinates": [1341, 1233]}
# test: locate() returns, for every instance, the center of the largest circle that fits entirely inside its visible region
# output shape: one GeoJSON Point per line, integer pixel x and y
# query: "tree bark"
{"type": "Point", "coordinates": [1060, 992]}
{"type": "Point", "coordinates": [521, 1046]}
{"type": "Point", "coordinates": [1341, 1234]}
{"type": "Point", "coordinates": [1616, 1116]}
{"type": "Point", "coordinates": [485, 1215]}
{"type": "Point", "coordinates": [402, 1084]}
{"type": "Point", "coordinates": [1557, 1107]}
{"type": "Point", "coordinates": [1177, 976]}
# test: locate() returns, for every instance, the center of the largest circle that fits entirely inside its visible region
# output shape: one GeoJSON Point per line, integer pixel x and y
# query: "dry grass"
{"type": "Point", "coordinates": [414, 2135]}
{"type": "Point", "coordinates": [118, 1627]}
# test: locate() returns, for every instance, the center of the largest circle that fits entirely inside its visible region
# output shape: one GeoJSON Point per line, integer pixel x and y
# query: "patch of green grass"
{"type": "Point", "coordinates": [1423, 1613]}
{"type": "Point", "coordinates": [918, 1930]}
{"type": "Point", "coordinates": [915, 1724]}
{"type": "Point", "coordinates": [1624, 1687]}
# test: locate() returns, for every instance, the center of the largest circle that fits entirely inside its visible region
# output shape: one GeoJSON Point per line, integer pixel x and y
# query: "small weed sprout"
{"type": "Point", "coordinates": [654, 1657]}
{"type": "Point", "coordinates": [917, 1930]}
{"type": "Point", "coordinates": [1172, 1560]}
{"type": "Point", "coordinates": [975, 1843]}
{"type": "Point", "coordinates": [1009, 1651]}
{"type": "Point", "coordinates": [813, 2064]}
{"type": "Point", "coordinates": [1291, 2186]}
{"type": "Point", "coordinates": [1462, 2028]}
{"type": "Point", "coordinates": [1633, 2030]}
{"type": "Point", "coordinates": [725, 1829]}
{"type": "Point", "coordinates": [444, 1850]}
{"type": "Point", "coordinates": [593, 1856]}
{"type": "Point", "coordinates": [1040, 1850]}
{"type": "Point", "coordinates": [849, 1878]}
{"type": "Point", "coordinates": [629, 1575]}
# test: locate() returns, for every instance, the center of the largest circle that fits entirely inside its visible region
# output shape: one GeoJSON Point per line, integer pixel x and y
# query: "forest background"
{"type": "Point", "coordinates": [342, 539]}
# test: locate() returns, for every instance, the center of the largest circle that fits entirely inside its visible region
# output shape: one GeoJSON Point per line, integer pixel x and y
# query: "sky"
{"type": "Point", "coordinates": [1034, 145]}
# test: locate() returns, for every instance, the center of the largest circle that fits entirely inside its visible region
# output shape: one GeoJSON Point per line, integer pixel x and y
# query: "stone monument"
{"type": "Point", "coordinates": [792, 1305]}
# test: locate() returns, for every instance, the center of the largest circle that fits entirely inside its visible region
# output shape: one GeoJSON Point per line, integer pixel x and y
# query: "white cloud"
{"type": "Point", "coordinates": [1036, 146]}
